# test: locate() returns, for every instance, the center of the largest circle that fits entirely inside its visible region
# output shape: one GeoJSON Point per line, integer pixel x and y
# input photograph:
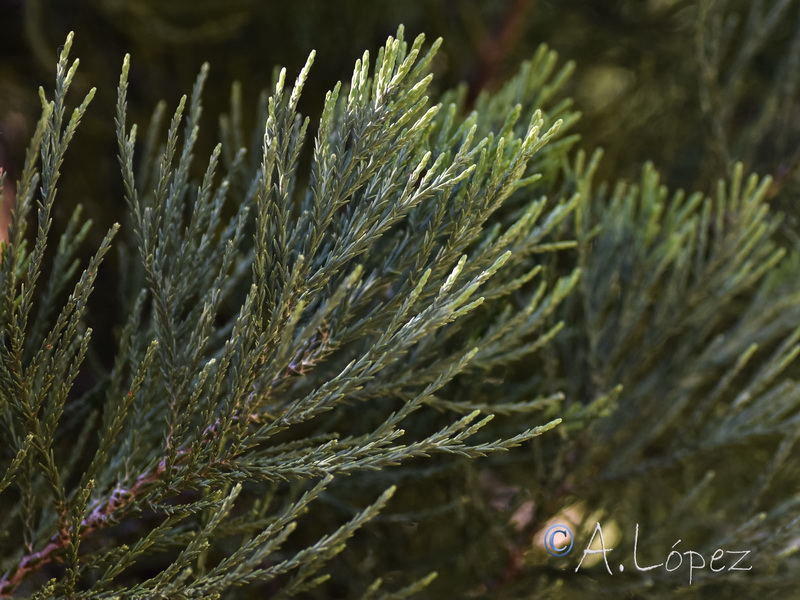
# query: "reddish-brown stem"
{"type": "Point", "coordinates": [9, 192]}
{"type": "Point", "coordinates": [103, 514]}
{"type": "Point", "coordinates": [105, 511]}
{"type": "Point", "coordinates": [494, 49]}
{"type": "Point", "coordinates": [13, 133]}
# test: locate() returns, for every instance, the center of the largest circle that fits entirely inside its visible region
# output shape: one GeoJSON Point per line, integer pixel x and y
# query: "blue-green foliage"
{"type": "Point", "coordinates": [359, 297]}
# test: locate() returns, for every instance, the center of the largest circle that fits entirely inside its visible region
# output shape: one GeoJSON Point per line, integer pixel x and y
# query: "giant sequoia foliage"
{"type": "Point", "coordinates": [383, 352]}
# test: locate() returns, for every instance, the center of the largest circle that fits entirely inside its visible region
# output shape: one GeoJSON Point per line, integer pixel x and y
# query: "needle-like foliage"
{"type": "Point", "coordinates": [330, 333]}
{"type": "Point", "coordinates": [296, 315]}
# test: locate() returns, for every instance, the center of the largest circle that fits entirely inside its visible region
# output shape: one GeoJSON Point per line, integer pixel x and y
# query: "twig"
{"type": "Point", "coordinates": [494, 49]}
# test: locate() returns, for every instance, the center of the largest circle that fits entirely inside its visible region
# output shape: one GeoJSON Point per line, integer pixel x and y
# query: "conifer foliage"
{"type": "Point", "coordinates": [353, 288]}
{"type": "Point", "coordinates": [321, 322]}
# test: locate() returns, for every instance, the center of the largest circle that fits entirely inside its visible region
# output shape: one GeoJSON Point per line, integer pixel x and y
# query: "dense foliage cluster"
{"type": "Point", "coordinates": [380, 353]}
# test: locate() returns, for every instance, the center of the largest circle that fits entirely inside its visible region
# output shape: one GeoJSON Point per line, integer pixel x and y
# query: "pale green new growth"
{"type": "Point", "coordinates": [354, 287]}
{"type": "Point", "coordinates": [322, 323]}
